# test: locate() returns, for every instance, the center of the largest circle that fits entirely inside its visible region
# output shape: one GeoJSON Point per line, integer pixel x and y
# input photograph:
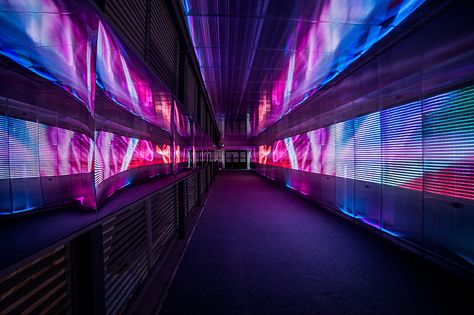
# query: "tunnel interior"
{"type": "Point", "coordinates": [236, 157]}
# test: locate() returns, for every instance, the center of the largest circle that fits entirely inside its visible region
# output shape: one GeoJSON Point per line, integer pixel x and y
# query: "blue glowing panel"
{"type": "Point", "coordinates": [55, 40]}
{"type": "Point", "coordinates": [368, 148]}
{"type": "Point", "coordinates": [402, 146]}
{"type": "Point", "coordinates": [345, 160]}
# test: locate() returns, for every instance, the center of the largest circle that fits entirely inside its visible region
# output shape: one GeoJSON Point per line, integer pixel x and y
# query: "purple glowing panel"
{"type": "Point", "coordinates": [54, 39]}
{"type": "Point", "coordinates": [128, 84]}
{"type": "Point", "coordinates": [37, 150]}
{"type": "Point", "coordinates": [115, 154]}
{"type": "Point", "coordinates": [261, 59]}
{"type": "Point", "coordinates": [422, 146]}
{"type": "Point", "coordinates": [32, 152]}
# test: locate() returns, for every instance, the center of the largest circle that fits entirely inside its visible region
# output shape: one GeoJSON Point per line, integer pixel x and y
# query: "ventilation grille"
{"type": "Point", "coordinates": [203, 181]}
{"type": "Point", "coordinates": [130, 18]}
{"type": "Point", "coordinates": [39, 287]}
{"type": "Point", "coordinates": [163, 220]}
{"type": "Point", "coordinates": [125, 256]}
{"type": "Point", "coordinates": [163, 45]}
{"type": "Point", "coordinates": [190, 193]}
{"type": "Point", "coordinates": [190, 96]}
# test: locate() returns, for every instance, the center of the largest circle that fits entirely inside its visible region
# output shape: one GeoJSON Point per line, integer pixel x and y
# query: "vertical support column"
{"type": "Point", "coordinates": [173, 143]}
{"type": "Point", "coordinates": [87, 273]}
{"type": "Point", "coordinates": [181, 209]}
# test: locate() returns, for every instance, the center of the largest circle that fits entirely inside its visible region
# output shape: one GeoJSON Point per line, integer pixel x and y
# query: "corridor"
{"type": "Point", "coordinates": [260, 249]}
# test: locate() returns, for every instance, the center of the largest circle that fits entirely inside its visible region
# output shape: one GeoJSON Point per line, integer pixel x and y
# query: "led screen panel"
{"type": "Point", "coordinates": [426, 145]}
{"type": "Point", "coordinates": [55, 40]}
{"type": "Point", "coordinates": [127, 82]}
{"type": "Point", "coordinates": [116, 153]}
{"type": "Point", "coordinates": [31, 151]}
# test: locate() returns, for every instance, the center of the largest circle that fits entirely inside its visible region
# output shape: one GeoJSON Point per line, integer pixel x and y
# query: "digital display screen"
{"type": "Point", "coordinates": [116, 153]}
{"type": "Point", "coordinates": [32, 150]}
{"type": "Point", "coordinates": [55, 40]}
{"type": "Point", "coordinates": [426, 145]}
{"type": "Point", "coordinates": [127, 83]}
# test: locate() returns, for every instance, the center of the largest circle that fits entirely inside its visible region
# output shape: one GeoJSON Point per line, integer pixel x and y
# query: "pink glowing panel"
{"type": "Point", "coordinates": [115, 153]}
{"type": "Point", "coordinates": [425, 146]}
{"type": "Point", "coordinates": [36, 150]}
{"type": "Point", "coordinates": [181, 154]}
{"type": "Point", "coordinates": [181, 122]}
{"type": "Point", "coordinates": [128, 84]}
{"type": "Point", "coordinates": [54, 39]}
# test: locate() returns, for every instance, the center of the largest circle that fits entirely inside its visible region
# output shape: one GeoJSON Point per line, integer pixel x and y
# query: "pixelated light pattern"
{"type": "Point", "coordinates": [116, 153]}
{"type": "Point", "coordinates": [69, 44]}
{"type": "Point", "coordinates": [126, 82]}
{"type": "Point", "coordinates": [55, 40]}
{"type": "Point", "coordinates": [425, 145]}
{"type": "Point", "coordinates": [32, 150]}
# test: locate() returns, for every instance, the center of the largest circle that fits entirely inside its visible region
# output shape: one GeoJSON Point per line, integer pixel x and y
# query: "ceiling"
{"type": "Point", "coordinates": [260, 59]}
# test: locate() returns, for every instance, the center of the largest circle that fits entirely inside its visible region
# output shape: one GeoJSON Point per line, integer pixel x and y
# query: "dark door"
{"type": "Point", "coordinates": [236, 159]}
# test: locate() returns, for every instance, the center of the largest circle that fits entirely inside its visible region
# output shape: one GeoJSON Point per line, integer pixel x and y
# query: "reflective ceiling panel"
{"type": "Point", "coordinates": [262, 59]}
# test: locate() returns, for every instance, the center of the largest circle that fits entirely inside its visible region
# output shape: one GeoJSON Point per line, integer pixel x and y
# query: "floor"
{"type": "Point", "coordinates": [260, 249]}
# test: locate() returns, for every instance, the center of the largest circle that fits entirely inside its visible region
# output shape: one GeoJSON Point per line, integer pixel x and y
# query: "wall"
{"type": "Point", "coordinates": [81, 114]}
{"type": "Point", "coordinates": [391, 145]}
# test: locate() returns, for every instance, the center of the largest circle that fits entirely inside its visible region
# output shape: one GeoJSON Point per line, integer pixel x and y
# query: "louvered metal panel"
{"type": "Point", "coordinates": [190, 193]}
{"type": "Point", "coordinates": [130, 18]}
{"type": "Point", "coordinates": [163, 45]}
{"type": "Point", "coordinates": [164, 220]}
{"type": "Point", "coordinates": [203, 181]}
{"type": "Point", "coordinates": [125, 256]}
{"type": "Point", "coordinates": [38, 287]}
{"type": "Point", "coordinates": [190, 92]}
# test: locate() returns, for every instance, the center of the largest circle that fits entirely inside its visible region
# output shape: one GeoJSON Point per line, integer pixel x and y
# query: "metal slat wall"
{"type": "Point", "coordinates": [130, 18]}
{"type": "Point", "coordinates": [38, 287]}
{"type": "Point", "coordinates": [133, 240]}
{"type": "Point", "coordinates": [191, 193]}
{"type": "Point", "coordinates": [125, 256]}
{"type": "Point", "coordinates": [190, 95]}
{"type": "Point", "coordinates": [203, 180]}
{"type": "Point", "coordinates": [157, 40]}
{"type": "Point", "coordinates": [162, 53]}
{"type": "Point", "coordinates": [164, 220]}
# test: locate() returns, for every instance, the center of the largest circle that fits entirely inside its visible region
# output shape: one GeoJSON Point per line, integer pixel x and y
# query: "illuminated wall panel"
{"type": "Point", "coordinates": [127, 83]}
{"type": "Point", "coordinates": [368, 162]}
{"type": "Point", "coordinates": [402, 146]}
{"type": "Point", "coordinates": [419, 146]}
{"type": "Point", "coordinates": [31, 151]}
{"type": "Point", "coordinates": [116, 153]}
{"type": "Point", "coordinates": [408, 171]}
{"type": "Point", "coordinates": [345, 161]}
{"type": "Point", "coordinates": [55, 40]}
{"type": "Point", "coordinates": [449, 144]}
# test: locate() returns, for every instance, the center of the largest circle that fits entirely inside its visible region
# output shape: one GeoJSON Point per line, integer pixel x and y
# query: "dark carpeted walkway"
{"type": "Point", "coordinates": [259, 249]}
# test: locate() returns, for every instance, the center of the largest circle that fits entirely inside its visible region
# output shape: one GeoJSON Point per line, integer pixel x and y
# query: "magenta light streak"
{"type": "Point", "coordinates": [54, 39]}
{"type": "Point", "coordinates": [115, 153]}
{"type": "Point", "coordinates": [127, 82]}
